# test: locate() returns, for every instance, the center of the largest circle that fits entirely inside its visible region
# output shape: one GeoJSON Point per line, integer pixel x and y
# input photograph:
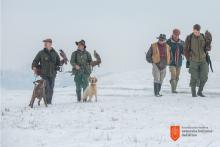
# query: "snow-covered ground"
{"type": "Point", "coordinates": [126, 115]}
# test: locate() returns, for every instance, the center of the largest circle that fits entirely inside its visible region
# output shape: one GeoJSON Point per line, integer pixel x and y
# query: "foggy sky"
{"type": "Point", "coordinates": [120, 30]}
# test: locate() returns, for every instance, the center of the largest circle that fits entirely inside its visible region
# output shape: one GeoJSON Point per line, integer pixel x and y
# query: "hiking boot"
{"type": "Point", "coordinates": [193, 91]}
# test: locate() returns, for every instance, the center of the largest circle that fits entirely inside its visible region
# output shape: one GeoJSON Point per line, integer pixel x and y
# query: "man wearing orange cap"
{"type": "Point", "coordinates": [176, 53]}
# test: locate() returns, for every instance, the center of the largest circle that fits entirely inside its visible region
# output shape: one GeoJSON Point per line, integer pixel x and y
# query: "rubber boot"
{"type": "Point", "coordinates": [159, 88]}
{"type": "Point", "coordinates": [78, 94]}
{"type": "Point", "coordinates": [193, 91]}
{"type": "Point", "coordinates": [173, 86]}
{"type": "Point", "coordinates": [155, 89]}
{"type": "Point", "coordinates": [199, 93]}
{"type": "Point", "coordinates": [176, 85]}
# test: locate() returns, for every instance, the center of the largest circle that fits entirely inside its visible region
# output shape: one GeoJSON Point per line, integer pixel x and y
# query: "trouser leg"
{"type": "Point", "coordinates": [85, 81]}
{"type": "Point", "coordinates": [78, 83]}
{"type": "Point", "coordinates": [51, 87]}
{"type": "Point", "coordinates": [175, 72]}
{"type": "Point", "coordinates": [156, 76]}
{"type": "Point", "coordinates": [159, 76]}
{"type": "Point", "coordinates": [194, 71]}
{"type": "Point", "coordinates": [203, 77]}
{"type": "Point", "coordinates": [162, 76]}
{"type": "Point", "coordinates": [47, 88]}
{"type": "Point", "coordinates": [177, 75]}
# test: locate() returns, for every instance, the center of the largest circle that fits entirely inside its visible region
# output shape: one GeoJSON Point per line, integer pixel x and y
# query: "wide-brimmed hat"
{"type": "Point", "coordinates": [47, 40]}
{"type": "Point", "coordinates": [82, 42]}
{"type": "Point", "coordinates": [162, 37]}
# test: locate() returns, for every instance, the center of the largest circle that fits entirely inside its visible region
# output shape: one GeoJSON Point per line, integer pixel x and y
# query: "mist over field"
{"type": "Point", "coordinates": [121, 31]}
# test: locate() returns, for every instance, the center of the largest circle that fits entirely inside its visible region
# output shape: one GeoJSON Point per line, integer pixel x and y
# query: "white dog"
{"type": "Point", "coordinates": [91, 90]}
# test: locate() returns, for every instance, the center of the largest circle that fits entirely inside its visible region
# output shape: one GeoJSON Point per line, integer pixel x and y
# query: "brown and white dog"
{"type": "Point", "coordinates": [91, 90]}
{"type": "Point", "coordinates": [38, 92]}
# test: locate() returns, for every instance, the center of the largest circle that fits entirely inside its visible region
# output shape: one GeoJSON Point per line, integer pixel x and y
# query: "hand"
{"type": "Point", "coordinates": [77, 67]}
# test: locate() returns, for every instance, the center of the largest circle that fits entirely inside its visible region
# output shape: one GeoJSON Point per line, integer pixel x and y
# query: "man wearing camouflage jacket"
{"type": "Point", "coordinates": [81, 61]}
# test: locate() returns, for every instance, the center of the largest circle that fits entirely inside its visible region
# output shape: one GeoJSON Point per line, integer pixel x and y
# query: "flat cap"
{"type": "Point", "coordinates": [47, 40]}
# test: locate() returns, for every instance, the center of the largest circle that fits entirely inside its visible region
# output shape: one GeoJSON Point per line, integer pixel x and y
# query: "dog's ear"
{"type": "Point", "coordinates": [96, 80]}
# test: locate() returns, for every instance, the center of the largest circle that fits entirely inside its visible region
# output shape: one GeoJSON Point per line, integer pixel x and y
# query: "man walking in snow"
{"type": "Point", "coordinates": [81, 62]}
{"type": "Point", "coordinates": [176, 52]}
{"type": "Point", "coordinates": [195, 52]}
{"type": "Point", "coordinates": [159, 56]}
{"type": "Point", "coordinates": [46, 63]}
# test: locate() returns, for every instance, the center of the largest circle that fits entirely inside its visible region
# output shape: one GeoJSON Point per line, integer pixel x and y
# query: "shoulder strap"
{"type": "Point", "coordinates": [76, 56]}
{"type": "Point", "coordinates": [203, 35]}
{"type": "Point", "coordinates": [87, 56]}
{"type": "Point", "coordinates": [190, 42]}
{"type": "Point", "coordinates": [205, 50]}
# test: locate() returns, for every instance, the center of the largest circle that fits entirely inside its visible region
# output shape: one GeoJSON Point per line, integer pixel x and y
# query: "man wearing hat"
{"type": "Point", "coordinates": [48, 62]}
{"type": "Point", "coordinates": [81, 62]}
{"type": "Point", "coordinates": [159, 56]}
{"type": "Point", "coordinates": [195, 53]}
{"type": "Point", "coordinates": [176, 53]}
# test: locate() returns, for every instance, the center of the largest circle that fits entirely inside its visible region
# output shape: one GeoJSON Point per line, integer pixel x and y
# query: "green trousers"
{"type": "Point", "coordinates": [81, 81]}
{"type": "Point", "coordinates": [199, 73]}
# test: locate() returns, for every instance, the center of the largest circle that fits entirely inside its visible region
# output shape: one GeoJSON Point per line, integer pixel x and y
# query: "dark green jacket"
{"type": "Point", "coordinates": [49, 61]}
{"type": "Point", "coordinates": [83, 59]}
{"type": "Point", "coordinates": [197, 51]}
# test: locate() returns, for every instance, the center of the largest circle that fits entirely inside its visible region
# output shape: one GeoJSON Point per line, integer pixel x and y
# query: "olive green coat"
{"type": "Point", "coordinates": [197, 51]}
{"type": "Point", "coordinates": [83, 59]}
{"type": "Point", "coordinates": [48, 61]}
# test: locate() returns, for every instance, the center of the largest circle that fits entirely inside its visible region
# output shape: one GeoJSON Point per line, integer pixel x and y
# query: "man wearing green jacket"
{"type": "Point", "coordinates": [47, 61]}
{"type": "Point", "coordinates": [195, 53]}
{"type": "Point", "coordinates": [81, 62]}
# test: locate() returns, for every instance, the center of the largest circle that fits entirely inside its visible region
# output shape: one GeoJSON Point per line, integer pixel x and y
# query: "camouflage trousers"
{"type": "Point", "coordinates": [158, 74]}
{"type": "Point", "coordinates": [199, 73]}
